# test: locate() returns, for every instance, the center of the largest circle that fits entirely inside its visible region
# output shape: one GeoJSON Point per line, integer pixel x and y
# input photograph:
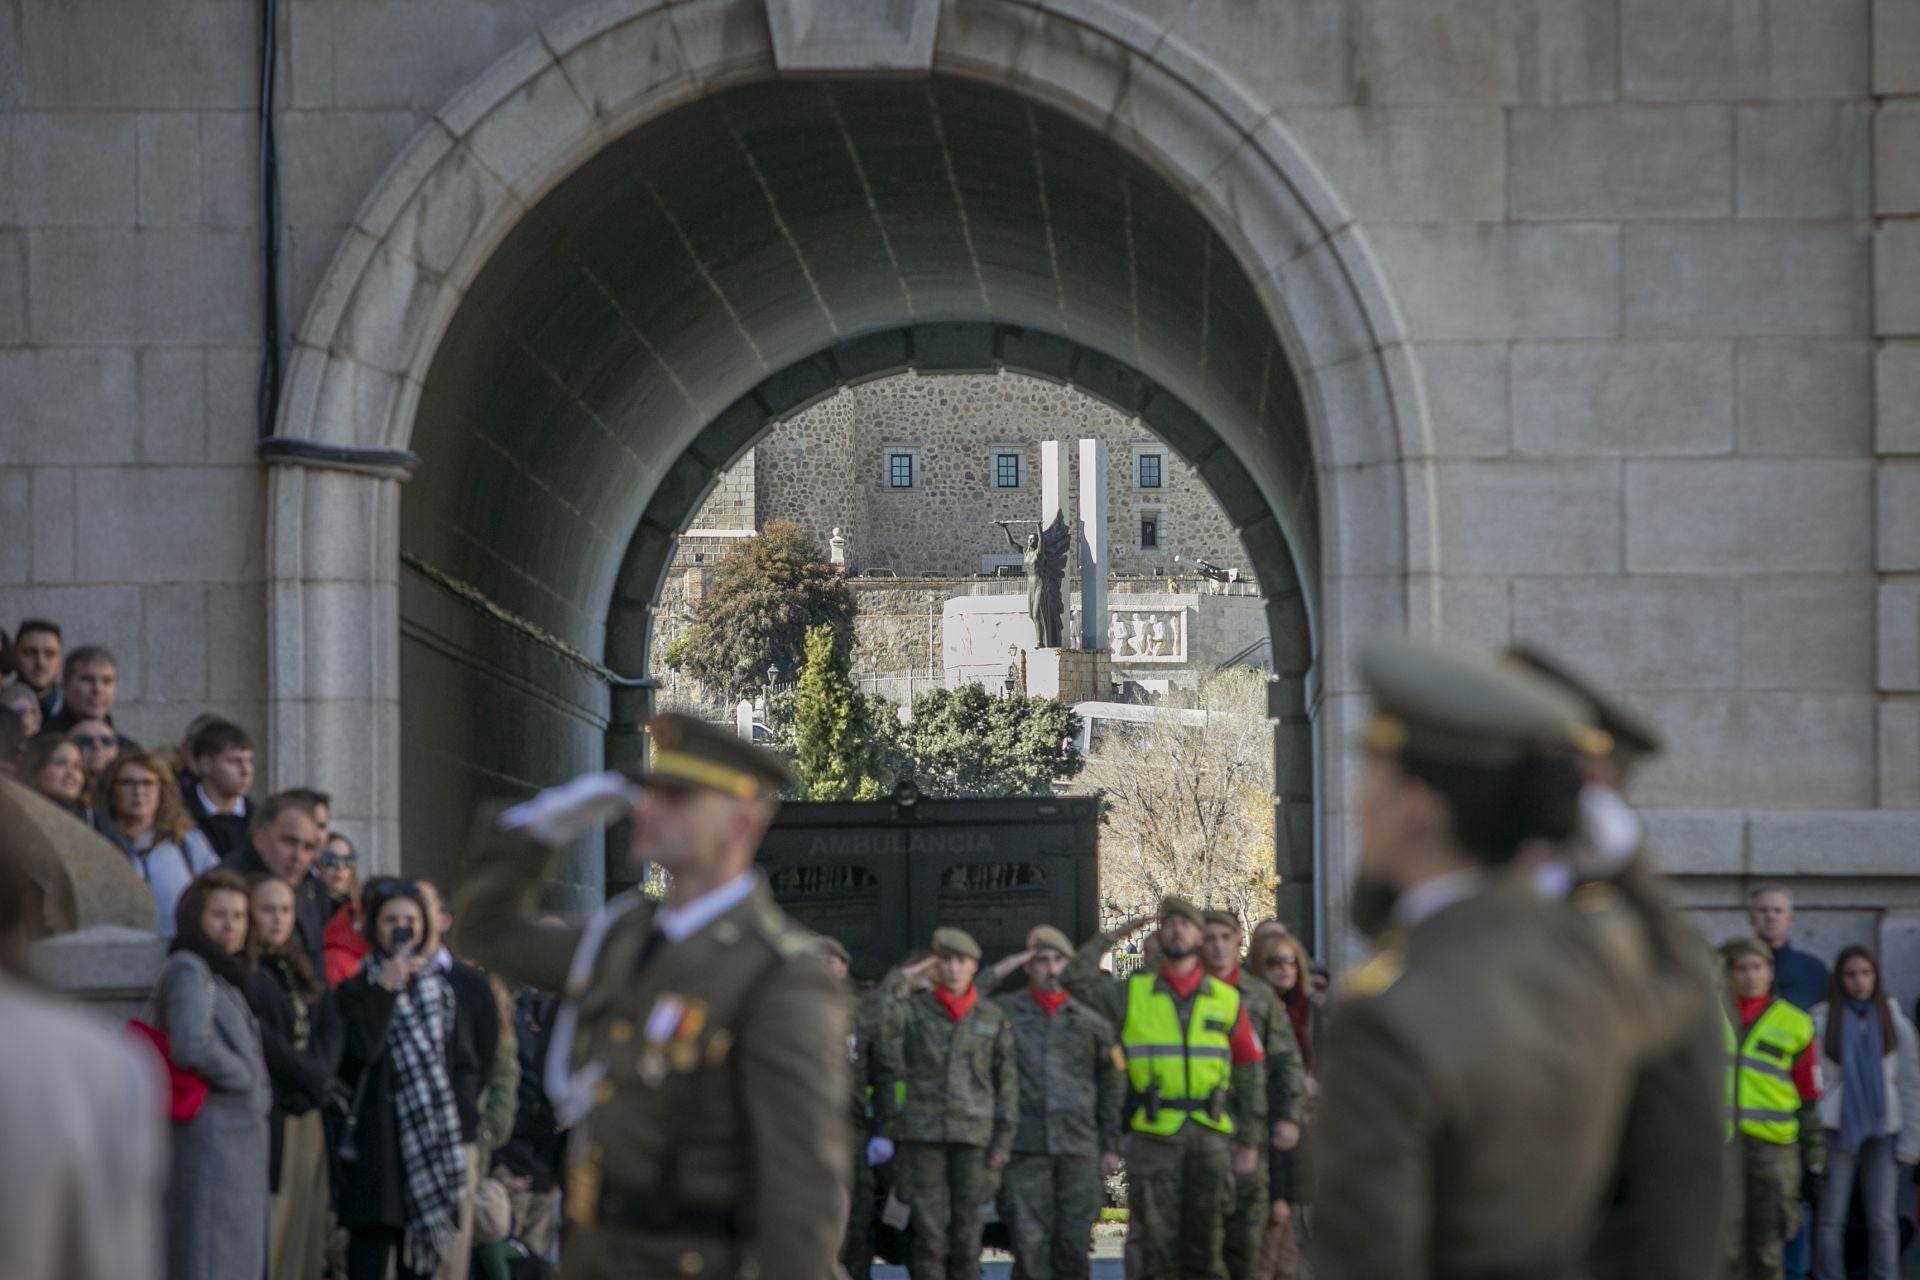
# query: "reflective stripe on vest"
{"type": "Point", "coordinates": [1182, 1067]}
{"type": "Point", "coordinates": [1766, 1102]}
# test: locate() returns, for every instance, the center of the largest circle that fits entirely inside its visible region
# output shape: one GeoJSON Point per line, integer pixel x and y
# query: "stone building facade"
{"type": "Point", "coordinates": [1593, 323]}
{"type": "Point", "coordinates": [913, 470]}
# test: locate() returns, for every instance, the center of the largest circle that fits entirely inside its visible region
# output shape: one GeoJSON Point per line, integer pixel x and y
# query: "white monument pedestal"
{"type": "Point", "coordinates": [1071, 675]}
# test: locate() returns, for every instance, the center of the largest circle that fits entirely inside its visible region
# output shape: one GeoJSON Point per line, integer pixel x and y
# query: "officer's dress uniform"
{"type": "Point", "coordinates": [1072, 1083]}
{"type": "Point", "coordinates": [962, 1099]}
{"type": "Point", "coordinates": [1476, 1076]}
{"type": "Point", "coordinates": [1191, 1097]}
{"type": "Point", "coordinates": [707, 1046]}
{"type": "Point", "coordinates": [1672, 1163]}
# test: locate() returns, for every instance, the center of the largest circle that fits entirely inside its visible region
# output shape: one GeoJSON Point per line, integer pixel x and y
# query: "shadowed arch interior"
{"type": "Point", "coordinates": [756, 248]}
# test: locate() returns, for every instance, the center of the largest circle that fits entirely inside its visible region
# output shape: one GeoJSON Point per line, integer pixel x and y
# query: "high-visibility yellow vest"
{"type": "Point", "coordinates": [1176, 1070]}
{"type": "Point", "coordinates": [1733, 1063]}
{"type": "Point", "coordinates": [1766, 1102]}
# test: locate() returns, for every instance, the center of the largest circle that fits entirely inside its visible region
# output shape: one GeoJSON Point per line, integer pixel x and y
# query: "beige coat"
{"type": "Point", "coordinates": [83, 1144]}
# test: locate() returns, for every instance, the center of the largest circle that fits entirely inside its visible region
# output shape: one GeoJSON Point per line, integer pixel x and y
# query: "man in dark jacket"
{"type": "Point", "coordinates": [470, 1053]}
{"type": "Point", "coordinates": [283, 841]}
{"type": "Point", "coordinates": [221, 754]}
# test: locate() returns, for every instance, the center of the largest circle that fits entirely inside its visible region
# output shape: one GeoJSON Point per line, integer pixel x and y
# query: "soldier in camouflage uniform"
{"type": "Point", "coordinates": [1072, 1085]}
{"type": "Point", "coordinates": [954, 1129]}
{"type": "Point", "coordinates": [868, 1106]}
{"type": "Point", "coordinates": [1185, 1144]}
{"type": "Point", "coordinates": [1286, 1094]}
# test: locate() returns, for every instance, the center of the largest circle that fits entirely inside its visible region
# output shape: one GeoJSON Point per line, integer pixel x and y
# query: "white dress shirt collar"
{"type": "Point", "coordinates": [239, 809]}
{"type": "Point", "coordinates": [682, 922]}
{"type": "Point", "coordinates": [1430, 897]}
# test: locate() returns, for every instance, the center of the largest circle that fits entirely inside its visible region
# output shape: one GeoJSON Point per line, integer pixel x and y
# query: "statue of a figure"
{"type": "Point", "coordinates": [1045, 558]}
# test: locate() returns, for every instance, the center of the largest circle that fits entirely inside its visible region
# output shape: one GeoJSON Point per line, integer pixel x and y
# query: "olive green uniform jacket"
{"type": "Point", "coordinates": [962, 1079]}
{"type": "Point", "coordinates": [1475, 1081]}
{"type": "Point", "coordinates": [1072, 1083]}
{"type": "Point", "coordinates": [1672, 1157]}
{"type": "Point", "coordinates": [1107, 996]}
{"type": "Point", "coordinates": [725, 1079]}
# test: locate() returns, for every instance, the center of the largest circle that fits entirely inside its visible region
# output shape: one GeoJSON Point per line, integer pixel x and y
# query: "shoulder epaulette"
{"type": "Point", "coordinates": [1376, 975]}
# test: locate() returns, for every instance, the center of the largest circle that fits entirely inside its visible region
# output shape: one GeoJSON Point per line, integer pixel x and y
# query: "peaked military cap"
{"type": "Point", "coordinates": [1631, 735]}
{"type": "Point", "coordinates": [1047, 938]}
{"type": "Point", "coordinates": [955, 942]}
{"type": "Point", "coordinates": [1449, 707]}
{"type": "Point", "coordinates": [1214, 916]}
{"type": "Point", "coordinates": [692, 753]}
{"type": "Point", "coordinates": [1174, 905]}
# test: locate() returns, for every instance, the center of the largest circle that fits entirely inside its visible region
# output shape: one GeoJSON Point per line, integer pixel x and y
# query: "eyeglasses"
{"type": "Point", "coordinates": [1282, 962]}
{"type": "Point", "coordinates": [89, 742]}
{"type": "Point", "coordinates": [138, 784]}
{"type": "Point", "coordinates": [336, 859]}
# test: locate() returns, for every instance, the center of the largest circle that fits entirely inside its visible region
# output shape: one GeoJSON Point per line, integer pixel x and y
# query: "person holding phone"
{"type": "Point", "coordinates": [401, 1173]}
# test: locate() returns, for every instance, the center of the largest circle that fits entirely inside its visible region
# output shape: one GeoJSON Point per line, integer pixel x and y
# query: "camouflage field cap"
{"type": "Point", "coordinates": [1449, 707]}
{"type": "Point", "coordinates": [1214, 916]}
{"type": "Point", "coordinates": [1174, 905]}
{"type": "Point", "coordinates": [948, 941]}
{"type": "Point", "coordinates": [1048, 938]}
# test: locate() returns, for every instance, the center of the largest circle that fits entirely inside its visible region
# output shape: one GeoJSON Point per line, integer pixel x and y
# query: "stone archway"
{"type": "Point", "coordinates": [429, 228]}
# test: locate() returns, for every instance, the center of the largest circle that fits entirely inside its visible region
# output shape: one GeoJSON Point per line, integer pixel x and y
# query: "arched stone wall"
{"type": "Point", "coordinates": [429, 227]}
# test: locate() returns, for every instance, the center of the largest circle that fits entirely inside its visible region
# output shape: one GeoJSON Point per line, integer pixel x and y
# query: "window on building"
{"type": "Point", "coordinates": [1149, 533]}
{"type": "Point", "coordinates": [899, 470]}
{"type": "Point", "coordinates": [1006, 471]}
{"type": "Point", "coordinates": [1151, 469]}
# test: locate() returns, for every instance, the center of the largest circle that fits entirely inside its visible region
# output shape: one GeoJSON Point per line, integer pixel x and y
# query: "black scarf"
{"type": "Point", "coordinates": [231, 968]}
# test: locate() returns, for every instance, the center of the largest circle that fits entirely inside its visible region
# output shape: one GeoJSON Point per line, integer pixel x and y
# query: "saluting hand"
{"type": "Point", "coordinates": [920, 972]}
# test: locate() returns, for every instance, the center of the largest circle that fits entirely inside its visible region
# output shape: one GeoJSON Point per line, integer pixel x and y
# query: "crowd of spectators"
{"type": "Point", "coordinates": [349, 1099]}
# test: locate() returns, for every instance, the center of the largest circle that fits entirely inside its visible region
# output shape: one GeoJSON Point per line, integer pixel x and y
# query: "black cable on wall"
{"type": "Point", "coordinates": [267, 396]}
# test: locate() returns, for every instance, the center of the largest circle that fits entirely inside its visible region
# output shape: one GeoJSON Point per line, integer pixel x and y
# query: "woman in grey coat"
{"type": "Point", "coordinates": [217, 1203]}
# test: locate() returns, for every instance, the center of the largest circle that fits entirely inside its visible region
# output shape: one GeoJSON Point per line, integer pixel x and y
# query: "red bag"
{"type": "Point", "coordinates": [186, 1092]}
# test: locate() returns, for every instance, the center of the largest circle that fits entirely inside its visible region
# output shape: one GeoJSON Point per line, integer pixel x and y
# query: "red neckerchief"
{"type": "Point", "coordinates": [1049, 1000]}
{"type": "Point", "coordinates": [1751, 1009]}
{"type": "Point", "coordinates": [1231, 977]}
{"type": "Point", "coordinates": [957, 1007]}
{"type": "Point", "coordinates": [1184, 986]}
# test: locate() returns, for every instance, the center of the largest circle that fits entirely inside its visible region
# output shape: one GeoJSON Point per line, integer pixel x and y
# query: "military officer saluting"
{"type": "Point", "coordinates": [954, 1054]}
{"type": "Point", "coordinates": [1072, 1084]}
{"type": "Point", "coordinates": [1196, 1108]}
{"type": "Point", "coordinates": [701, 1052]}
{"type": "Point", "coordinates": [1477, 1075]}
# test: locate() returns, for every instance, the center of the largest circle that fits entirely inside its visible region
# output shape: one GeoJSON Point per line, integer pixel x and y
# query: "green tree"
{"type": "Point", "coordinates": [768, 591]}
{"type": "Point", "coordinates": [965, 742]}
{"type": "Point", "coordinates": [837, 747]}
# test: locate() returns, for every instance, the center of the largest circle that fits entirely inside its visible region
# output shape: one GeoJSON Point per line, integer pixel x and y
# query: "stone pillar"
{"type": "Point", "coordinates": [333, 652]}
{"type": "Point", "coordinates": [1896, 270]}
{"type": "Point", "coordinates": [1095, 561]}
{"type": "Point", "coordinates": [1053, 481]}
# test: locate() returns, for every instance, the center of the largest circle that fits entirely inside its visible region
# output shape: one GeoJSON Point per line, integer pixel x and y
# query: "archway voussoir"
{"type": "Point", "coordinates": [400, 186]}
{"type": "Point", "coordinates": [384, 324]}
{"type": "Point", "coordinates": [723, 39]}
{"type": "Point", "coordinates": [596, 20]}
{"type": "Point", "coordinates": [1293, 165]}
{"type": "Point", "coordinates": [1159, 116]}
{"type": "Point", "coordinates": [485, 94]}
{"type": "Point", "coordinates": [1355, 402]}
{"type": "Point", "coordinates": [975, 39]}
{"type": "Point", "coordinates": [457, 201]}
{"type": "Point", "coordinates": [1140, 32]}
{"type": "Point", "coordinates": [541, 127]}
{"type": "Point", "coordinates": [1319, 310]}
{"type": "Point", "coordinates": [335, 295]}
{"type": "Point", "coordinates": [1256, 209]}
{"type": "Point", "coordinates": [631, 70]}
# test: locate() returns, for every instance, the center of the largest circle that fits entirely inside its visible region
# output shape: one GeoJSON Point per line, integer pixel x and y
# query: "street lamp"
{"type": "Point", "coordinates": [773, 674]}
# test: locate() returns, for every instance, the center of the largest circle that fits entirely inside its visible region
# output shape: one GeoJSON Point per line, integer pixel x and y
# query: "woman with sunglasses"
{"type": "Point", "coordinates": [345, 946]}
{"type": "Point", "coordinates": [1277, 957]}
{"type": "Point", "coordinates": [99, 744]}
{"type": "Point", "coordinates": [147, 819]}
